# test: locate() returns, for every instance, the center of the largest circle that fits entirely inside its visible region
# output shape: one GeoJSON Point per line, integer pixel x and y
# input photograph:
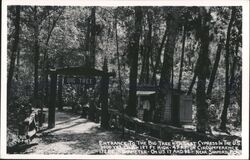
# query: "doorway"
{"type": "Point", "coordinates": [175, 109]}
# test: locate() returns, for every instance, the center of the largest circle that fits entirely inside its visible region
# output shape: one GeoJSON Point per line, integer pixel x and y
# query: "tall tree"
{"type": "Point", "coordinates": [133, 55]}
{"type": "Point", "coordinates": [60, 85]}
{"type": "Point", "coordinates": [147, 51]}
{"type": "Point", "coordinates": [118, 59]}
{"type": "Point", "coordinates": [93, 37]}
{"type": "Point", "coordinates": [235, 81]}
{"type": "Point", "coordinates": [158, 56]}
{"type": "Point", "coordinates": [214, 70]}
{"type": "Point", "coordinates": [104, 96]}
{"type": "Point", "coordinates": [14, 49]}
{"type": "Point", "coordinates": [36, 51]}
{"type": "Point", "coordinates": [17, 64]}
{"type": "Point", "coordinates": [227, 84]}
{"type": "Point", "coordinates": [165, 80]}
{"type": "Point", "coordinates": [169, 52]}
{"type": "Point", "coordinates": [202, 71]}
{"type": "Point", "coordinates": [193, 82]}
{"type": "Point", "coordinates": [182, 55]}
{"type": "Point", "coordinates": [51, 25]}
{"type": "Point", "coordinates": [52, 22]}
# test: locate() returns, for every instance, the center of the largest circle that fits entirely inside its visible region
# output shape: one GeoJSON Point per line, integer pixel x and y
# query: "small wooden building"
{"type": "Point", "coordinates": [178, 108]}
{"type": "Point", "coordinates": [146, 105]}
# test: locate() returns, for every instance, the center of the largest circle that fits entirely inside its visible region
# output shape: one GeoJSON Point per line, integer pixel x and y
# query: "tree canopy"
{"type": "Point", "coordinates": [168, 47]}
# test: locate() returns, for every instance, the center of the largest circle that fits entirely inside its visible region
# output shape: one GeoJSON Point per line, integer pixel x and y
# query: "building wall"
{"type": "Point", "coordinates": [166, 112]}
{"type": "Point", "coordinates": [186, 109]}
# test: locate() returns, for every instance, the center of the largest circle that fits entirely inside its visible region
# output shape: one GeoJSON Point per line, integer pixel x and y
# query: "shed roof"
{"type": "Point", "coordinates": [148, 88]}
{"type": "Point", "coordinates": [145, 93]}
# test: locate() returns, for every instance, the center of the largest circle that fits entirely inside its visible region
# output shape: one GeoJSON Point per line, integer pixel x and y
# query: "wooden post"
{"type": "Point", "coordinates": [104, 99]}
{"type": "Point", "coordinates": [60, 88]}
{"type": "Point", "coordinates": [52, 104]}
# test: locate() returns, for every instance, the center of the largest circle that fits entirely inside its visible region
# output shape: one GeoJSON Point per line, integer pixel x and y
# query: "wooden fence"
{"type": "Point", "coordinates": [149, 129]}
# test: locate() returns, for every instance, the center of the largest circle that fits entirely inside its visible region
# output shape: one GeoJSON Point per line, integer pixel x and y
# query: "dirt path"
{"type": "Point", "coordinates": [71, 135]}
{"type": "Point", "coordinates": [75, 135]}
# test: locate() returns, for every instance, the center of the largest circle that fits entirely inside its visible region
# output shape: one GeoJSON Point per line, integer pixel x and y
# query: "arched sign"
{"type": "Point", "coordinates": [87, 81]}
{"type": "Point", "coordinates": [77, 76]}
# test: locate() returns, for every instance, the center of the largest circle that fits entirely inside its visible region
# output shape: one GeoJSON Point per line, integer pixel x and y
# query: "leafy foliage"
{"type": "Point", "coordinates": [64, 40]}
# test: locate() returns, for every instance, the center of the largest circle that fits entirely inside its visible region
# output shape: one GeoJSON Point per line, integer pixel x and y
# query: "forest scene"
{"type": "Point", "coordinates": [80, 80]}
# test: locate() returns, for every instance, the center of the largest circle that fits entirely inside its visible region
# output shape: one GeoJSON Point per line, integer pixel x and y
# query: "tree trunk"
{"type": "Point", "coordinates": [182, 56]}
{"type": "Point", "coordinates": [104, 97]}
{"type": "Point", "coordinates": [17, 63]}
{"type": "Point", "coordinates": [87, 35]}
{"type": "Point", "coordinates": [46, 90]}
{"type": "Point", "coordinates": [192, 83]}
{"type": "Point", "coordinates": [36, 55]}
{"type": "Point", "coordinates": [46, 59]}
{"type": "Point", "coordinates": [168, 55]}
{"type": "Point", "coordinates": [172, 73]}
{"type": "Point", "coordinates": [143, 57]}
{"type": "Point", "coordinates": [14, 50]}
{"type": "Point", "coordinates": [133, 51]}
{"type": "Point", "coordinates": [60, 86]}
{"type": "Point", "coordinates": [239, 98]}
{"type": "Point", "coordinates": [202, 73]}
{"type": "Point", "coordinates": [93, 38]}
{"type": "Point", "coordinates": [165, 80]}
{"type": "Point", "coordinates": [227, 85]}
{"type": "Point", "coordinates": [119, 73]}
{"type": "Point", "coordinates": [52, 104]}
{"type": "Point", "coordinates": [149, 45]}
{"type": "Point", "coordinates": [146, 53]}
{"type": "Point", "coordinates": [235, 81]}
{"type": "Point", "coordinates": [232, 78]}
{"type": "Point", "coordinates": [118, 61]}
{"type": "Point", "coordinates": [214, 70]}
{"type": "Point", "coordinates": [158, 58]}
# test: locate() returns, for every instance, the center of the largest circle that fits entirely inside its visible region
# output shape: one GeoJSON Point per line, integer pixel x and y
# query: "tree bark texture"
{"type": "Point", "coordinates": [118, 62]}
{"type": "Point", "coordinates": [158, 58]}
{"type": "Point", "coordinates": [52, 104]}
{"type": "Point", "coordinates": [17, 63]}
{"type": "Point", "coordinates": [168, 55]}
{"type": "Point", "coordinates": [93, 38]}
{"type": "Point", "coordinates": [36, 54]}
{"type": "Point", "coordinates": [14, 49]}
{"type": "Point", "coordinates": [227, 85]}
{"type": "Point", "coordinates": [202, 73]}
{"type": "Point", "coordinates": [104, 97]}
{"type": "Point", "coordinates": [146, 53]}
{"type": "Point", "coordinates": [133, 51]}
{"type": "Point", "coordinates": [182, 56]}
{"type": "Point", "coordinates": [214, 70]}
{"type": "Point", "coordinates": [167, 67]}
{"type": "Point", "coordinates": [190, 89]}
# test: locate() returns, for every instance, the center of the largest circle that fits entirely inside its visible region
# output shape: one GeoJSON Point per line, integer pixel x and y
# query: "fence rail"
{"type": "Point", "coordinates": [161, 131]}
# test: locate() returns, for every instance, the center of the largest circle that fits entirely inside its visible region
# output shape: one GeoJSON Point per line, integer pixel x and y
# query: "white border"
{"type": "Point", "coordinates": [245, 74]}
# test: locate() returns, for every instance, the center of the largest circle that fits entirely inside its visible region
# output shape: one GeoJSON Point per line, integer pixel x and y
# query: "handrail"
{"type": "Point", "coordinates": [161, 128]}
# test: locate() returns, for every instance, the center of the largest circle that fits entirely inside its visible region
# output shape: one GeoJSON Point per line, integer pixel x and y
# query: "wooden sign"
{"type": "Point", "coordinates": [80, 80]}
